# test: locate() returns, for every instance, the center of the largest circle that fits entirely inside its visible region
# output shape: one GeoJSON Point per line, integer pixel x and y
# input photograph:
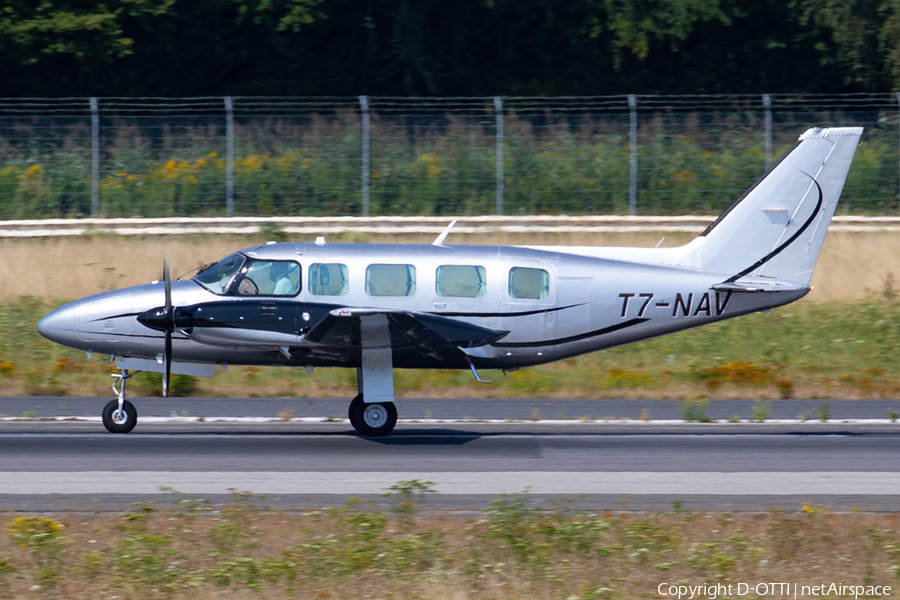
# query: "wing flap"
{"type": "Point", "coordinates": [427, 333]}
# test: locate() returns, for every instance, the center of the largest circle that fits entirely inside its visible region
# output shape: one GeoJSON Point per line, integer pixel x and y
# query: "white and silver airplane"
{"type": "Point", "coordinates": [376, 307]}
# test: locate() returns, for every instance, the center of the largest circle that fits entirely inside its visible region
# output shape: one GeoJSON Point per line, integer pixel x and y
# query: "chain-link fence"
{"type": "Point", "coordinates": [123, 157]}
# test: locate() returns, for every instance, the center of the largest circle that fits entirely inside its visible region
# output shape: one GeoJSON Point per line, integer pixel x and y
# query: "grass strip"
{"type": "Point", "coordinates": [189, 548]}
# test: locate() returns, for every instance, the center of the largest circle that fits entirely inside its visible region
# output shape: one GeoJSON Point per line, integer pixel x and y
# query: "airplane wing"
{"type": "Point", "coordinates": [325, 328]}
{"type": "Point", "coordinates": [412, 327]}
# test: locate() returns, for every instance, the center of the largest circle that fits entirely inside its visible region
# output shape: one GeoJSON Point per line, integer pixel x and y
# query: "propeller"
{"type": "Point", "coordinates": [162, 318]}
{"type": "Point", "coordinates": [170, 327]}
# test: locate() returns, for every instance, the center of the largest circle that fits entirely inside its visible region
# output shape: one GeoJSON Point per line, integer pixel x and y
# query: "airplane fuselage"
{"type": "Point", "coordinates": [553, 305]}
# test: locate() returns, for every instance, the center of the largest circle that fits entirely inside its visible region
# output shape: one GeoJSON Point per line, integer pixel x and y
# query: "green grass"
{"type": "Point", "coordinates": [313, 169]}
{"type": "Point", "coordinates": [189, 548]}
{"type": "Point", "coordinates": [806, 350]}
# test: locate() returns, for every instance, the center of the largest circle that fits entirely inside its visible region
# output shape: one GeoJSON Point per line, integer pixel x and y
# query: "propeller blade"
{"type": "Point", "coordinates": [167, 360]}
{"type": "Point", "coordinates": [168, 283]}
{"type": "Point", "coordinates": [170, 327]}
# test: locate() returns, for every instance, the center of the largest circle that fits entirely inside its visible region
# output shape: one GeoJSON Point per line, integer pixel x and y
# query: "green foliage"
{"type": "Point", "coordinates": [761, 410]}
{"type": "Point", "coordinates": [150, 384]}
{"type": "Point", "coordinates": [406, 497]}
{"type": "Point", "coordinates": [469, 48]}
{"type": "Point", "coordinates": [693, 409]}
{"type": "Point", "coordinates": [287, 167]}
{"type": "Point", "coordinates": [511, 521]}
{"type": "Point", "coordinates": [155, 551]}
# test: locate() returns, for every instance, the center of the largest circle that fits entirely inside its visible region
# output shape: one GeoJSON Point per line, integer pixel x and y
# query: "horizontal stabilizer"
{"type": "Point", "coordinates": [757, 285]}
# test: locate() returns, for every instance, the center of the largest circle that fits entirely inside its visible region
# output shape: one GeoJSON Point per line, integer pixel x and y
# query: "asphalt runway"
{"type": "Point", "coordinates": [52, 466]}
{"type": "Point", "coordinates": [456, 408]}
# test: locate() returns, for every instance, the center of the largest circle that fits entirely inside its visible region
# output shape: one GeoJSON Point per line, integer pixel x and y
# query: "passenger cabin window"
{"type": "Point", "coordinates": [390, 280]}
{"type": "Point", "coordinates": [269, 278]}
{"type": "Point", "coordinates": [528, 283]}
{"type": "Point", "coordinates": [328, 279]}
{"type": "Point", "coordinates": [460, 281]}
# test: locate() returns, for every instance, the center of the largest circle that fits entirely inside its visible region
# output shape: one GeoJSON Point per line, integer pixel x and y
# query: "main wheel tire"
{"type": "Point", "coordinates": [375, 419]}
{"type": "Point", "coordinates": [116, 422]}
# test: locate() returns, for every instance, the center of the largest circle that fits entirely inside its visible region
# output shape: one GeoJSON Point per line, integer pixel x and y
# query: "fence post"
{"type": "Point", "coordinates": [229, 156]}
{"type": "Point", "coordinates": [364, 109]}
{"type": "Point", "coordinates": [498, 115]}
{"type": "Point", "coordinates": [632, 186]}
{"type": "Point", "coordinates": [767, 105]}
{"type": "Point", "coordinates": [95, 158]}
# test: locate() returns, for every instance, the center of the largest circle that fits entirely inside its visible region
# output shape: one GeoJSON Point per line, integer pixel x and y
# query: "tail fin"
{"type": "Point", "coordinates": [777, 227]}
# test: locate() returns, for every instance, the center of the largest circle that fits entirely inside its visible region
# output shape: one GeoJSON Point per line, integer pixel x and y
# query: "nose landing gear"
{"type": "Point", "coordinates": [119, 415]}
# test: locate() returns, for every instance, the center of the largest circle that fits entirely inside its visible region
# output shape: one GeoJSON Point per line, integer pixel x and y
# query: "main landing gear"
{"type": "Point", "coordinates": [374, 419]}
{"type": "Point", "coordinates": [372, 412]}
{"type": "Point", "coordinates": [120, 416]}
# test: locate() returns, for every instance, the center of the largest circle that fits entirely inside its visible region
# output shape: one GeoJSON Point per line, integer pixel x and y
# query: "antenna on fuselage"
{"type": "Point", "coordinates": [440, 239]}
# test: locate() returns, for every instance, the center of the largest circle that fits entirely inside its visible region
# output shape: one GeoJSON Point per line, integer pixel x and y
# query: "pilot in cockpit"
{"type": "Point", "coordinates": [278, 273]}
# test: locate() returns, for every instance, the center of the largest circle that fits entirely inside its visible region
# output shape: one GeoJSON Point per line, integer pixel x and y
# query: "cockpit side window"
{"type": "Point", "coordinates": [328, 279]}
{"type": "Point", "coordinates": [460, 281]}
{"type": "Point", "coordinates": [268, 278]}
{"type": "Point", "coordinates": [390, 280]}
{"type": "Point", "coordinates": [218, 277]}
{"type": "Point", "coordinates": [528, 283]}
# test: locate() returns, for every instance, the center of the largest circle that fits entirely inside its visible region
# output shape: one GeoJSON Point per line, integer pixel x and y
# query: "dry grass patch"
{"type": "Point", "coordinates": [851, 267]}
{"type": "Point", "coordinates": [194, 550]}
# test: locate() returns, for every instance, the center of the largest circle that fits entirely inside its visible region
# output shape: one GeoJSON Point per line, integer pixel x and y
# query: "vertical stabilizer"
{"type": "Point", "coordinates": [777, 227]}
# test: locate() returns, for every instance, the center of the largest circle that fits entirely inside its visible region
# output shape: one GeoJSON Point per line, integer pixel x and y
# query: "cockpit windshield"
{"type": "Point", "coordinates": [218, 277]}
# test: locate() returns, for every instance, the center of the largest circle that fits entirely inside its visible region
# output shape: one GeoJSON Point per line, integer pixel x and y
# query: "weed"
{"type": "Point", "coordinates": [511, 521]}
{"type": "Point", "coordinates": [694, 409]}
{"type": "Point", "coordinates": [626, 378]}
{"type": "Point", "coordinates": [510, 550]}
{"type": "Point", "coordinates": [761, 411]}
{"type": "Point", "coordinates": [734, 418]}
{"type": "Point", "coordinates": [150, 384]}
{"type": "Point", "coordinates": [406, 497]}
{"type": "Point", "coordinates": [738, 373]}
{"type": "Point", "coordinates": [42, 538]}
{"type": "Point", "coordinates": [823, 413]}
{"type": "Point", "coordinates": [812, 510]}
{"type": "Point", "coordinates": [892, 415]}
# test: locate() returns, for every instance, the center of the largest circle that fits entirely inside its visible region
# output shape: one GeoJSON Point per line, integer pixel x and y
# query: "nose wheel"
{"type": "Point", "coordinates": [119, 415]}
{"type": "Point", "coordinates": [374, 419]}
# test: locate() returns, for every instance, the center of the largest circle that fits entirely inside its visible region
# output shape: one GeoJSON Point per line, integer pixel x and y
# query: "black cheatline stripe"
{"type": "Point", "coordinates": [778, 250]}
{"type": "Point", "coordinates": [502, 314]}
{"type": "Point", "coordinates": [120, 316]}
{"type": "Point", "coordinates": [752, 187]}
{"type": "Point", "coordinates": [573, 338]}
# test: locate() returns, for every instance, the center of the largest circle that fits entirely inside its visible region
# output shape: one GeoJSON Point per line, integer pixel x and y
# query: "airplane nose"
{"type": "Point", "coordinates": [61, 325]}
